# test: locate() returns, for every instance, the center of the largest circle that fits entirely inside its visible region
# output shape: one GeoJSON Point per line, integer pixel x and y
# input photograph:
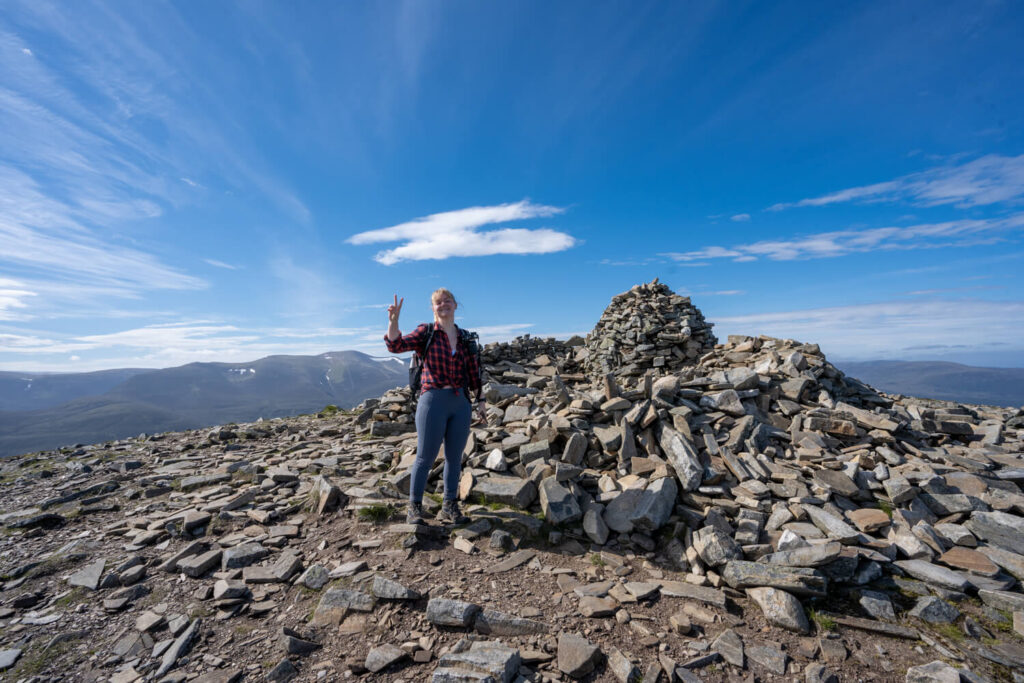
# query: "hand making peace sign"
{"type": "Point", "coordinates": [394, 310]}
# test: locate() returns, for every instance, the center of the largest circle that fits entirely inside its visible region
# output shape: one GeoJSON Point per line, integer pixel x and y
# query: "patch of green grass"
{"type": "Point", "coordinates": [378, 513]}
{"type": "Point", "coordinates": [436, 497]}
{"type": "Point", "coordinates": [328, 411]}
{"type": "Point", "coordinates": [885, 507]}
{"type": "Point", "coordinates": [949, 631]}
{"type": "Point", "coordinates": [75, 596]}
{"type": "Point", "coordinates": [824, 623]}
{"type": "Point", "coordinates": [597, 560]}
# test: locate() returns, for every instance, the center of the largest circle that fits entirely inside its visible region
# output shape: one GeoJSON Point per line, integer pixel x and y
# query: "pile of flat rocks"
{"type": "Point", "coordinates": [751, 487]}
{"type": "Point", "coordinates": [648, 327]}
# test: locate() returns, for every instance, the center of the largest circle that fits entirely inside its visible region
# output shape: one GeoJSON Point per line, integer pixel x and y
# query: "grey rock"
{"type": "Point", "coordinates": [197, 565]}
{"type": "Point", "coordinates": [730, 646]}
{"type": "Point", "coordinates": [519, 493]}
{"type": "Point", "coordinates": [622, 668]}
{"type": "Point", "coordinates": [178, 648]}
{"type": "Point", "coordinates": [558, 503]}
{"type": "Point", "coordinates": [797, 580]}
{"type": "Point", "coordinates": [484, 661]}
{"type": "Point", "coordinates": [243, 555]}
{"type": "Point", "coordinates": [89, 576]}
{"type": "Point", "coordinates": [227, 589]}
{"type": "Point", "coordinates": [837, 481]}
{"type": "Point", "coordinates": [493, 622]}
{"type": "Point", "coordinates": [618, 514]}
{"type": "Point", "coordinates": [655, 505]}
{"type": "Point", "coordinates": [577, 656]}
{"type": "Point", "coordinates": [383, 656]}
{"type": "Point", "coordinates": [805, 556]}
{"type": "Point", "coordinates": [714, 547]}
{"type": "Point", "coordinates": [768, 656]}
{"type": "Point", "coordinates": [575, 449]}
{"type": "Point", "coordinates": [596, 607]}
{"type": "Point", "coordinates": [877, 605]}
{"type": "Point", "coordinates": [899, 490]}
{"type": "Point", "coordinates": [9, 657]}
{"type": "Point", "coordinates": [780, 608]}
{"type": "Point", "coordinates": [934, 611]}
{"type": "Point", "coordinates": [336, 602]}
{"type": "Point", "coordinates": [284, 671]}
{"type": "Point", "coordinates": [683, 457]}
{"type": "Point", "coordinates": [933, 672]}
{"type": "Point", "coordinates": [392, 590]}
{"type": "Point", "coordinates": [998, 528]}
{"type": "Point", "coordinates": [832, 526]}
{"type": "Point", "coordinates": [594, 526]}
{"type": "Point", "coordinates": [933, 573]}
{"type": "Point", "coordinates": [817, 673]}
{"type": "Point", "coordinates": [682, 589]}
{"type": "Point", "coordinates": [1005, 600]}
{"type": "Point", "coordinates": [446, 612]}
{"type": "Point", "coordinates": [316, 577]}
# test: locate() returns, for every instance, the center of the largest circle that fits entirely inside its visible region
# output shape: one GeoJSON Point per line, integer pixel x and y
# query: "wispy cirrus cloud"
{"type": "Point", "coordinates": [740, 218]}
{"type": "Point", "coordinates": [842, 242]}
{"type": "Point", "coordinates": [456, 233]}
{"type": "Point", "coordinates": [890, 329]}
{"type": "Point", "coordinates": [990, 179]}
{"type": "Point", "coordinates": [220, 264]}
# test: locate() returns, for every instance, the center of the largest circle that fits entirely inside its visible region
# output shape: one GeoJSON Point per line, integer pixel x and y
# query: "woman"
{"type": "Point", "coordinates": [443, 413]}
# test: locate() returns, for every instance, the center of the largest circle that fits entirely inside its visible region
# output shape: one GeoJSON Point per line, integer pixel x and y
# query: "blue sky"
{"type": "Point", "coordinates": [186, 181]}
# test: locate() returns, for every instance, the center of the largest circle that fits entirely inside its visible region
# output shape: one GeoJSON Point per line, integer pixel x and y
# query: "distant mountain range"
{"type": "Point", "coordinates": [42, 411]}
{"type": "Point", "coordinates": [946, 381]}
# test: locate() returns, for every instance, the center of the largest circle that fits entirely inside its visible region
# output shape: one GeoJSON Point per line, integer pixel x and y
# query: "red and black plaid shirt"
{"type": "Point", "coordinates": [441, 368]}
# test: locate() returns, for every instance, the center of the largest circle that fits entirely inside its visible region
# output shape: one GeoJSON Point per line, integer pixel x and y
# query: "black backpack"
{"type": "Point", "coordinates": [472, 342]}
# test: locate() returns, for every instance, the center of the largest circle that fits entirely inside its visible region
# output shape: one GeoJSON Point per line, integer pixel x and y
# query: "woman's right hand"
{"type": "Point", "coordinates": [394, 310]}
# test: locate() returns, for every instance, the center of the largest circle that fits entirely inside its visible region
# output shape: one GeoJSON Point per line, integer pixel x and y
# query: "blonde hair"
{"type": "Point", "coordinates": [443, 291]}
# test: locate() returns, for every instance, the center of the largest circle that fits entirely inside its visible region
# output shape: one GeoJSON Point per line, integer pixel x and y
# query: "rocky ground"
{"type": "Point", "coordinates": [645, 504]}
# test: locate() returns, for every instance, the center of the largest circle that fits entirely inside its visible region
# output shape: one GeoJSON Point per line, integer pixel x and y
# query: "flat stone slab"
{"type": "Point", "coordinates": [392, 590]}
{"type": "Point", "coordinates": [681, 589]}
{"type": "Point", "coordinates": [9, 657]}
{"type": "Point", "coordinates": [483, 661]}
{"type": "Point", "coordinates": [969, 560]}
{"type": "Point", "coordinates": [933, 573]}
{"type": "Point", "coordinates": [577, 656]}
{"type": "Point", "coordinates": [869, 520]}
{"type": "Point", "coordinates": [446, 612]}
{"type": "Point", "coordinates": [877, 626]}
{"type": "Point", "coordinates": [336, 602]}
{"type": "Point", "coordinates": [383, 656]}
{"type": "Point", "coordinates": [512, 561]}
{"type": "Point", "coordinates": [806, 556]}
{"type": "Point", "coordinates": [740, 574]}
{"type": "Point", "coordinates": [495, 623]}
{"type": "Point", "coordinates": [89, 575]}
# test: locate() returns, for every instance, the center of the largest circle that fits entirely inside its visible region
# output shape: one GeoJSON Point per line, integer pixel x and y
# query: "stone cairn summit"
{"type": "Point", "coordinates": [648, 327]}
{"type": "Point", "coordinates": [661, 507]}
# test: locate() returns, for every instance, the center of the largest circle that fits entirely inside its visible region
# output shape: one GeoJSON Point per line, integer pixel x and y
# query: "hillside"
{"type": "Point", "coordinates": [193, 395]}
{"type": "Point", "coordinates": [941, 380]}
{"type": "Point", "coordinates": [644, 504]}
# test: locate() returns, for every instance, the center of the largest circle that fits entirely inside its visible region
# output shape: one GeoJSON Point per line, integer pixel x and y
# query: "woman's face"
{"type": "Point", "coordinates": [444, 306]}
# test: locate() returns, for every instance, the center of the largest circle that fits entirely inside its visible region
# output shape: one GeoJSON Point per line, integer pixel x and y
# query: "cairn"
{"type": "Point", "coordinates": [647, 328]}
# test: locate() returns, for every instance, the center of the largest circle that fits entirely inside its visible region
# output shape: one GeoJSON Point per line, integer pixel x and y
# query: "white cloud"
{"type": "Point", "coordinates": [220, 264]}
{"type": "Point", "coordinates": [890, 329]}
{"type": "Point", "coordinates": [842, 242]}
{"type": "Point", "coordinates": [741, 218]}
{"type": "Point", "coordinates": [12, 295]}
{"type": "Point", "coordinates": [991, 179]}
{"type": "Point", "coordinates": [26, 51]}
{"type": "Point", "coordinates": [454, 233]}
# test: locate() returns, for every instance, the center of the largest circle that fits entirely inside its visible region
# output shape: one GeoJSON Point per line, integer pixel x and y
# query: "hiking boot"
{"type": "Point", "coordinates": [450, 513]}
{"type": "Point", "coordinates": [414, 514]}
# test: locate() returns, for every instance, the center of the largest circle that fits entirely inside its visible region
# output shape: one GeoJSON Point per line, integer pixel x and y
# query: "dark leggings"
{"type": "Point", "coordinates": [442, 414]}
